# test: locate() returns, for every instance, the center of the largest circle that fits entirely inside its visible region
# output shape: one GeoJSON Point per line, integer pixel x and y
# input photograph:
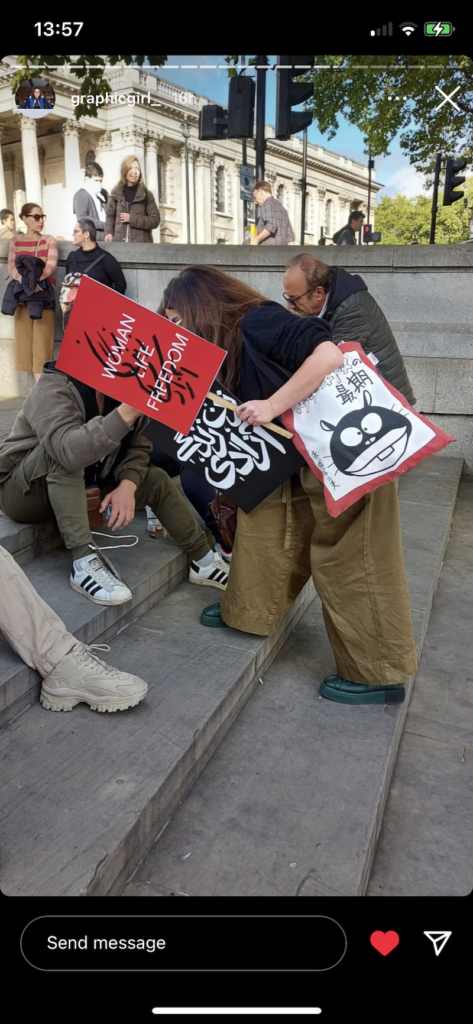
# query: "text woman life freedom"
{"type": "Point", "coordinates": [168, 369]}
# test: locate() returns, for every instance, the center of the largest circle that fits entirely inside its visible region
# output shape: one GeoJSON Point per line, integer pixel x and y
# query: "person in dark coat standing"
{"type": "Point", "coordinates": [314, 289]}
{"type": "Point", "coordinates": [91, 201]}
{"type": "Point", "coordinates": [346, 235]}
{"type": "Point", "coordinates": [106, 270]}
{"type": "Point", "coordinates": [132, 213]}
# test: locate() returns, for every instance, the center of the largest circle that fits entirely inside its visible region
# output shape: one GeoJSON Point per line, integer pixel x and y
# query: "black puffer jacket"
{"type": "Point", "coordinates": [354, 315]}
{"type": "Point", "coordinates": [23, 292]}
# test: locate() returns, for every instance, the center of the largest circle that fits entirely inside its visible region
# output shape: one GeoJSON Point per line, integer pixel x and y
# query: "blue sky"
{"type": "Point", "coordinates": [393, 171]}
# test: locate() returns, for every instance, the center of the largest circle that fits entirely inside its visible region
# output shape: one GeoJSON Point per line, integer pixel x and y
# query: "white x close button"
{"type": "Point", "coordinates": [447, 98]}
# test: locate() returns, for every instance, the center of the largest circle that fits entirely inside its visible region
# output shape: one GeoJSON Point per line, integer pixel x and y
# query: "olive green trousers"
{"type": "Point", "coordinates": [356, 563]}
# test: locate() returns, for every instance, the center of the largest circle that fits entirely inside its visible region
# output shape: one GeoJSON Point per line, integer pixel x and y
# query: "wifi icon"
{"type": "Point", "coordinates": [408, 27]}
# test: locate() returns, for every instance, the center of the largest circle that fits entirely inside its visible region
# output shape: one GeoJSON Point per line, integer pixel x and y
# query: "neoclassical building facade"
{"type": "Point", "coordinates": [43, 161]}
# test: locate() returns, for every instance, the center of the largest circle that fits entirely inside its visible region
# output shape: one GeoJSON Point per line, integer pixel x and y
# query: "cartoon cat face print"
{"type": "Point", "coordinates": [368, 441]}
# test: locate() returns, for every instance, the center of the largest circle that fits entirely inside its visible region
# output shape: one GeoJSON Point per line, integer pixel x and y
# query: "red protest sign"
{"type": "Point", "coordinates": [138, 357]}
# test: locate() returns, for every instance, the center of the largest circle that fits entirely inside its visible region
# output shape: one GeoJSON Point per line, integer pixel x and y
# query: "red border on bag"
{"type": "Point", "coordinates": [439, 441]}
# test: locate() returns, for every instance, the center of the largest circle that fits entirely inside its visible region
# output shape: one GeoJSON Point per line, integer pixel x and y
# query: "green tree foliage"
{"type": "Point", "coordinates": [360, 90]}
{"type": "Point", "coordinates": [401, 220]}
{"type": "Point", "coordinates": [90, 73]}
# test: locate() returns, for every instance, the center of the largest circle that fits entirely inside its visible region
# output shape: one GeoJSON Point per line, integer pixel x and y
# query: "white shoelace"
{"type": "Point", "coordinates": [126, 536]}
{"type": "Point", "coordinates": [101, 573]}
{"type": "Point", "coordinates": [89, 649]}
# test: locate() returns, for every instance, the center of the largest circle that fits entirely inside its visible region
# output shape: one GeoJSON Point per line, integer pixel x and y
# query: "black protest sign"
{"type": "Point", "coordinates": [246, 463]}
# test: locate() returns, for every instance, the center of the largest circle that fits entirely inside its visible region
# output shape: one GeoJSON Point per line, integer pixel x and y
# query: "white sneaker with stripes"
{"type": "Point", "coordinates": [91, 578]}
{"type": "Point", "coordinates": [213, 575]}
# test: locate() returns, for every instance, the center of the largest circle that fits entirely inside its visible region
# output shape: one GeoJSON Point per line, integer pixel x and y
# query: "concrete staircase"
{"type": "Point", "coordinates": [85, 796]}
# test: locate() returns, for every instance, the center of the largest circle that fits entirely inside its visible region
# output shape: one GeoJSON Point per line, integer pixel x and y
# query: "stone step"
{"type": "Point", "coordinates": [26, 541]}
{"type": "Point", "coordinates": [292, 801]}
{"type": "Point", "coordinates": [151, 569]}
{"type": "Point", "coordinates": [85, 795]}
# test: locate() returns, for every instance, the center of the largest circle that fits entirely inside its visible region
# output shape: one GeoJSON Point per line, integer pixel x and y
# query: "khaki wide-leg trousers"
{"type": "Point", "coordinates": [356, 563]}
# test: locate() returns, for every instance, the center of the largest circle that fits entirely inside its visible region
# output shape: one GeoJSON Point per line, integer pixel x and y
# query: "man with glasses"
{"type": "Point", "coordinates": [314, 289]}
{"type": "Point", "coordinates": [90, 259]}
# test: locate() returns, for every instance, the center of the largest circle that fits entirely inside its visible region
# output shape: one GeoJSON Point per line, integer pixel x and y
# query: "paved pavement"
{"type": "Point", "coordinates": [426, 842]}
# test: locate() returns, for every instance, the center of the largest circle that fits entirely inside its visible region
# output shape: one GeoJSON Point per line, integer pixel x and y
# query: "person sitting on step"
{"type": "Point", "coordinates": [71, 671]}
{"type": "Point", "coordinates": [64, 431]}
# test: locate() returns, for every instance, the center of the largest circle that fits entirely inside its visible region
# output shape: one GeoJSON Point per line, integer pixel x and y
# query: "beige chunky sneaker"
{"type": "Point", "coordinates": [83, 677]}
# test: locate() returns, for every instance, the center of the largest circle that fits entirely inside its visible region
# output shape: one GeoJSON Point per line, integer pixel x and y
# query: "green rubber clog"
{"type": "Point", "coordinates": [344, 692]}
{"type": "Point", "coordinates": [211, 616]}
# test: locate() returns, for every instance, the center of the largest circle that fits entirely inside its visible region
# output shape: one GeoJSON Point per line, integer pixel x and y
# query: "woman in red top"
{"type": "Point", "coordinates": [34, 339]}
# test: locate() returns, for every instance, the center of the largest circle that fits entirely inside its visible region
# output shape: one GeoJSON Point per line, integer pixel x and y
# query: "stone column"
{"type": "Point", "coordinates": [152, 142]}
{"type": "Point", "coordinates": [3, 191]}
{"type": "Point", "coordinates": [29, 152]}
{"type": "Point", "coordinates": [321, 211]}
{"type": "Point", "coordinates": [203, 192]}
{"type": "Point", "coordinates": [193, 150]}
{"type": "Point", "coordinates": [237, 207]}
{"type": "Point", "coordinates": [182, 154]}
{"type": "Point", "coordinates": [74, 177]}
{"type": "Point", "coordinates": [105, 157]}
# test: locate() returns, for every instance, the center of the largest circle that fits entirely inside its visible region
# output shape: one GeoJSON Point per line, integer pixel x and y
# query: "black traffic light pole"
{"type": "Point", "coordinates": [243, 160]}
{"type": "Point", "coordinates": [433, 221]}
{"type": "Point", "coordinates": [261, 64]}
{"type": "Point", "coordinates": [370, 168]}
{"type": "Point", "coordinates": [303, 184]}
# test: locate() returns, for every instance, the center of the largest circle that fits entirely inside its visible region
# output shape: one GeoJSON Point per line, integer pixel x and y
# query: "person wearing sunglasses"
{"type": "Point", "coordinates": [34, 338]}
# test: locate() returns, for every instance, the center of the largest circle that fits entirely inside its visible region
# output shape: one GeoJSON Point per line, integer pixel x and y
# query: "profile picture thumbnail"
{"type": "Point", "coordinates": [35, 97]}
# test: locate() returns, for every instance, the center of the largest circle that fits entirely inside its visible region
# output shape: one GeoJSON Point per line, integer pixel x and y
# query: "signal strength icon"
{"type": "Point", "coordinates": [386, 30]}
{"type": "Point", "coordinates": [408, 27]}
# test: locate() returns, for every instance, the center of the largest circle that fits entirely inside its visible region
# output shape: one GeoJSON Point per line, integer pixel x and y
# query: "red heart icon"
{"type": "Point", "coordinates": [384, 942]}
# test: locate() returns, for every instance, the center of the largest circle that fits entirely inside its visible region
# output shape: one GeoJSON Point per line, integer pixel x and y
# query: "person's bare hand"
{"type": "Point", "coordinates": [125, 217]}
{"type": "Point", "coordinates": [253, 240]}
{"type": "Point", "coordinates": [38, 288]}
{"type": "Point", "coordinates": [122, 500]}
{"type": "Point", "coordinates": [108, 238]}
{"type": "Point", "coordinates": [256, 413]}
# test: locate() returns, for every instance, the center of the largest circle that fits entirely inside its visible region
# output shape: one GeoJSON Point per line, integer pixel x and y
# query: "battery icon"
{"type": "Point", "coordinates": [438, 28]}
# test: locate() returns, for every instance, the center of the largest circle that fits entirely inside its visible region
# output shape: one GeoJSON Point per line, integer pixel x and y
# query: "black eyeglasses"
{"type": "Point", "coordinates": [37, 216]}
{"type": "Point", "coordinates": [295, 298]}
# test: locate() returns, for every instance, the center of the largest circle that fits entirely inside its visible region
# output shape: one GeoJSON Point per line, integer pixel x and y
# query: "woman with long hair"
{"type": "Point", "coordinates": [356, 559]}
{"type": "Point", "coordinates": [132, 213]}
{"type": "Point", "coordinates": [36, 100]}
{"type": "Point", "coordinates": [34, 338]}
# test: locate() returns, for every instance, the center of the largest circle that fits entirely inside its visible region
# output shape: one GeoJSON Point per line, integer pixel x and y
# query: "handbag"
{"type": "Point", "coordinates": [94, 502]}
{"type": "Point", "coordinates": [70, 286]}
{"type": "Point", "coordinates": [225, 514]}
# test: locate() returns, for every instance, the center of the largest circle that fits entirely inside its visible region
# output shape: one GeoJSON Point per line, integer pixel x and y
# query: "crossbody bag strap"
{"type": "Point", "coordinates": [266, 365]}
{"type": "Point", "coordinates": [85, 273]}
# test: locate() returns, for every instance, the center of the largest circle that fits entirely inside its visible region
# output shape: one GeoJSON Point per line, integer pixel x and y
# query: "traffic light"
{"type": "Point", "coordinates": [369, 235]}
{"type": "Point", "coordinates": [213, 122]}
{"type": "Point", "coordinates": [451, 182]}
{"type": "Point", "coordinates": [241, 107]}
{"type": "Point", "coordinates": [289, 94]}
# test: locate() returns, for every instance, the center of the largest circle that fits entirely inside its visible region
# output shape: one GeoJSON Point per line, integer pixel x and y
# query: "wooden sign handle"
{"type": "Point", "coordinates": [229, 405]}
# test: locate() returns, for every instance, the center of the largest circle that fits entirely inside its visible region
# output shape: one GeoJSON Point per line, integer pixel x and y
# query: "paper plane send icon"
{"type": "Point", "coordinates": [439, 939]}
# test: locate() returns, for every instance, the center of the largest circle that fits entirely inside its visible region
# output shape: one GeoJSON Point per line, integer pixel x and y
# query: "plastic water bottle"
{"type": "Point", "coordinates": [155, 528]}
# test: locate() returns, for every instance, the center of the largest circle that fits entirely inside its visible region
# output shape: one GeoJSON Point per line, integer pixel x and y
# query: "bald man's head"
{"type": "Point", "coordinates": [306, 283]}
